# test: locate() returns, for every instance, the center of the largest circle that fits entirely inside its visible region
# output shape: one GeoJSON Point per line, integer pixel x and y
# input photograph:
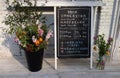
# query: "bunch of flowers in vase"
{"type": "Point", "coordinates": [28, 25]}
{"type": "Point", "coordinates": [102, 47]}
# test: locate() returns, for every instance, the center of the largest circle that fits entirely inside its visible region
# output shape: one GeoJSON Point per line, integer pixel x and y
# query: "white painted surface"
{"type": "Point", "coordinates": [115, 33]}
{"type": "Point", "coordinates": [116, 49]}
{"type": "Point", "coordinates": [69, 3]}
{"type": "Point", "coordinates": [92, 34]}
{"type": "Point", "coordinates": [55, 38]}
{"type": "Point", "coordinates": [116, 53]}
{"type": "Point", "coordinates": [105, 19]}
{"type": "Point", "coordinates": [7, 46]}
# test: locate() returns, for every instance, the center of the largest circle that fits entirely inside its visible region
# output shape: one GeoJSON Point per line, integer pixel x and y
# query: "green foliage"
{"type": "Point", "coordinates": [102, 44]}
{"type": "Point", "coordinates": [102, 47]}
{"type": "Point", "coordinates": [21, 16]}
{"type": "Point", "coordinates": [22, 22]}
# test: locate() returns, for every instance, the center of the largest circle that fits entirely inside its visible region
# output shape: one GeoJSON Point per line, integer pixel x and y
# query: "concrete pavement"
{"type": "Point", "coordinates": [61, 74]}
{"type": "Point", "coordinates": [16, 67]}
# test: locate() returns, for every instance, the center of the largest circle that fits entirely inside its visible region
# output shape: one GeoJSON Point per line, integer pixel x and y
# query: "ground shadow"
{"type": "Point", "coordinates": [15, 50]}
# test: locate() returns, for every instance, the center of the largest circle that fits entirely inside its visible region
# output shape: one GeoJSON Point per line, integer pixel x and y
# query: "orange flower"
{"type": "Point", "coordinates": [95, 48]}
{"type": "Point", "coordinates": [108, 53]}
{"type": "Point", "coordinates": [37, 43]}
{"type": "Point", "coordinates": [16, 33]}
{"type": "Point", "coordinates": [40, 39]}
{"type": "Point", "coordinates": [19, 37]}
{"type": "Point", "coordinates": [23, 32]}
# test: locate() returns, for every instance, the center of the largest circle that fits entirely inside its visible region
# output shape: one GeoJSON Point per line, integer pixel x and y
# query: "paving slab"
{"type": "Point", "coordinates": [16, 67]}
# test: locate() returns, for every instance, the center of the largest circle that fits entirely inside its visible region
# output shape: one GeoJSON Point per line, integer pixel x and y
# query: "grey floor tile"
{"type": "Point", "coordinates": [43, 75]}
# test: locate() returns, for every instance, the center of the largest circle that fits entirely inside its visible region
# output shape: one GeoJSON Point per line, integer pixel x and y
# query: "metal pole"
{"type": "Point", "coordinates": [92, 34]}
{"type": "Point", "coordinates": [55, 37]}
{"type": "Point", "coordinates": [95, 17]}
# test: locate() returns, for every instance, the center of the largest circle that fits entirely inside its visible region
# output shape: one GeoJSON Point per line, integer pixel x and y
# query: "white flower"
{"type": "Point", "coordinates": [39, 25]}
{"type": "Point", "coordinates": [37, 22]}
{"type": "Point", "coordinates": [95, 49]}
{"type": "Point", "coordinates": [23, 26]}
{"type": "Point", "coordinates": [34, 39]}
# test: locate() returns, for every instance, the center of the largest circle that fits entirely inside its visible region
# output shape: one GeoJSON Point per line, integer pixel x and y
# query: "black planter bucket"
{"type": "Point", "coordinates": [34, 60]}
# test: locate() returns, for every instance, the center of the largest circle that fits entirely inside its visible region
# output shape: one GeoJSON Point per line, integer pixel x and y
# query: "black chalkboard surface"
{"type": "Point", "coordinates": [73, 32]}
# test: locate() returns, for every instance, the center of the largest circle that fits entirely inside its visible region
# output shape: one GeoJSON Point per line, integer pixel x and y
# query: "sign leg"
{"type": "Point", "coordinates": [92, 34]}
{"type": "Point", "coordinates": [55, 38]}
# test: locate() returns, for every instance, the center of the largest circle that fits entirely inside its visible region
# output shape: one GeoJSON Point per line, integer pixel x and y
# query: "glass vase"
{"type": "Point", "coordinates": [100, 63]}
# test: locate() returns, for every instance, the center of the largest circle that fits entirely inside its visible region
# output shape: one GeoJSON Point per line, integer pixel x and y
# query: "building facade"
{"type": "Point", "coordinates": [104, 24]}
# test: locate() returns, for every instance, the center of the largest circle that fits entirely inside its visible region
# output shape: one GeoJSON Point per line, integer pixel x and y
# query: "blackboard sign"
{"type": "Point", "coordinates": [73, 31]}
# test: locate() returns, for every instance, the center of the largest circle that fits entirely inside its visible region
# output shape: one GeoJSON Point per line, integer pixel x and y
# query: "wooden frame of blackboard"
{"type": "Point", "coordinates": [87, 9]}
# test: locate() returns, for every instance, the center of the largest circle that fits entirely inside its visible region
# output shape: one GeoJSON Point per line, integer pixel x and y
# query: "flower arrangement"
{"type": "Point", "coordinates": [102, 47]}
{"type": "Point", "coordinates": [28, 25]}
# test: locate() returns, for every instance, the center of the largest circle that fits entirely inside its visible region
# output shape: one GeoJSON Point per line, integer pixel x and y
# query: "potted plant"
{"type": "Point", "coordinates": [29, 27]}
{"type": "Point", "coordinates": [102, 47]}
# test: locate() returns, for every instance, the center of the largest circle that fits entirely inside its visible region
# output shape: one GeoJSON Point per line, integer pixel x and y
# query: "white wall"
{"type": "Point", "coordinates": [105, 18]}
{"type": "Point", "coordinates": [9, 48]}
